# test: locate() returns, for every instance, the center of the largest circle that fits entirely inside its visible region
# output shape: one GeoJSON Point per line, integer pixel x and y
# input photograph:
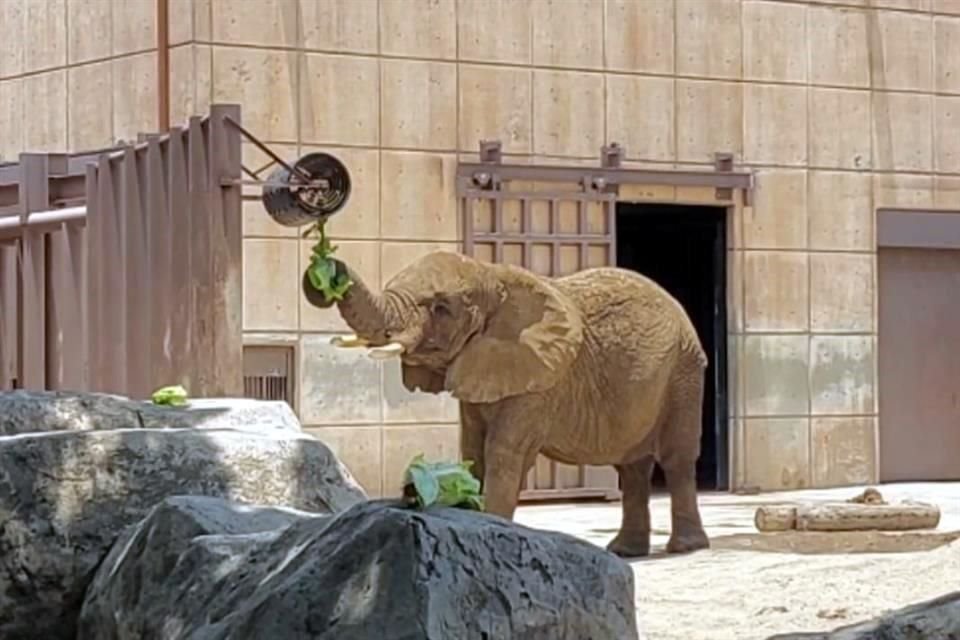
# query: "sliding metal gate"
{"type": "Point", "coordinates": [553, 229]}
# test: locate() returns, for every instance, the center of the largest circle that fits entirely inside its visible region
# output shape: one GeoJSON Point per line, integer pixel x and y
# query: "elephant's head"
{"type": "Point", "coordinates": [481, 331]}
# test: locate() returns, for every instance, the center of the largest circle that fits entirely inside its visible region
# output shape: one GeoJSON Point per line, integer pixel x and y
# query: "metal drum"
{"type": "Point", "coordinates": [318, 187]}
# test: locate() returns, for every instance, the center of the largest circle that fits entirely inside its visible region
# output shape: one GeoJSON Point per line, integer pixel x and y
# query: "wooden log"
{"type": "Point", "coordinates": [776, 518]}
{"type": "Point", "coordinates": [846, 516]}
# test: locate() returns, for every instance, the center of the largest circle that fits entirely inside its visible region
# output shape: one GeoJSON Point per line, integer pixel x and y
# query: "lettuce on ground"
{"type": "Point", "coordinates": [174, 395]}
{"type": "Point", "coordinates": [449, 484]}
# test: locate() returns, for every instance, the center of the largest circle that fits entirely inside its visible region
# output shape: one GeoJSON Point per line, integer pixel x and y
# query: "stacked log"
{"type": "Point", "coordinates": [866, 512]}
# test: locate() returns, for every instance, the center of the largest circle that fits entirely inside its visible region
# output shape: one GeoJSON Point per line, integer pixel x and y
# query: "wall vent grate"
{"type": "Point", "coordinates": [268, 373]}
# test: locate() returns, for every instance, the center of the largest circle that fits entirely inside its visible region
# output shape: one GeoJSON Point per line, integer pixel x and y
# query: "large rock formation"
{"type": "Point", "coordinates": [65, 495]}
{"type": "Point", "coordinates": [43, 411]}
{"type": "Point", "coordinates": [203, 570]}
{"type": "Point", "coordinates": [936, 619]}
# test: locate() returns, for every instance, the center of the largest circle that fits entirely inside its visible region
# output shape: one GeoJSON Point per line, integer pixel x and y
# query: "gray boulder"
{"type": "Point", "coordinates": [377, 570]}
{"type": "Point", "coordinates": [45, 411]}
{"type": "Point", "coordinates": [936, 619]}
{"type": "Point", "coordinates": [180, 551]}
{"type": "Point", "coordinates": [66, 496]}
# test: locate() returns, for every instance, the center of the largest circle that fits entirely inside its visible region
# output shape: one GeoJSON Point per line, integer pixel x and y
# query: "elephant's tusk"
{"type": "Point", "coordinates": [348, 342]}
{"type": "Point", "coordinates": [386, 352]}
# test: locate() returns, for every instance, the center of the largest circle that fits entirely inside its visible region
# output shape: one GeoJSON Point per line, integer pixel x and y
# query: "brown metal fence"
{"type": "Point", "coordinates": [120, 270]}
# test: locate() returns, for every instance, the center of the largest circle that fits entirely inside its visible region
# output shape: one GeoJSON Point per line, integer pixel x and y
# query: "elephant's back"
{"type": "Point", "coordinates": [631, 318]}
{"type": "Point", "coordinates": [602, 278]}
{"type": "Point", "coordinates": [599, 291]}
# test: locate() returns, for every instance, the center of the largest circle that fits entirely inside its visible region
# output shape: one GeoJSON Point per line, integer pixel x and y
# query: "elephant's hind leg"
{"type": "Point", "coordinates": [633, 539]}
{"type": "Point", "coordinates": [679, 450]}
{"type": "Point", "coordinates": [686, 529]}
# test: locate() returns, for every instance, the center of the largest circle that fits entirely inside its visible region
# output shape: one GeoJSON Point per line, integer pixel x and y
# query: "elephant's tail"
{"type": "Point", "coordinates": [691, 344]}
{"type": "Point", "coordinates": [701, 357]}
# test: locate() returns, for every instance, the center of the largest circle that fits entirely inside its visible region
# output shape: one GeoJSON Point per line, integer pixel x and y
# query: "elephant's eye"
{"type": "Point", "coordinates": [440, 308]}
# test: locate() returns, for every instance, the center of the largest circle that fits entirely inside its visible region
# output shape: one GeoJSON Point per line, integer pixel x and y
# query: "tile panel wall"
{"type": "Point", "coordinates": [841, 106]}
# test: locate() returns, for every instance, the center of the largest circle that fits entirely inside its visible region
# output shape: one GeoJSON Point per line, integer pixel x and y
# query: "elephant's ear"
{"type": "Point", "coordinates": [420, 378]}
{"type": "Point", "coordinates": [528, 344]}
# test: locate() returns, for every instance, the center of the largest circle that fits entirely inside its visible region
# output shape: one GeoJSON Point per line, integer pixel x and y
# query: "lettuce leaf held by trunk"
{"type": "Point", "coordinates": [448, 484]}
{"type": "Point", "coordinates": [323, 272]}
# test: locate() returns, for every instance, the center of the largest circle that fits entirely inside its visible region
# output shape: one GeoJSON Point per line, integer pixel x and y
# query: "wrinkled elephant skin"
{"type": "Point", "coordinates": [599, 367]}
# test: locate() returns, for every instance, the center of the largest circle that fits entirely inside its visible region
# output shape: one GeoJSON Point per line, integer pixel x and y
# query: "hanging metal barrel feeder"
{"type": "Point", "coordinates": [310, 191]}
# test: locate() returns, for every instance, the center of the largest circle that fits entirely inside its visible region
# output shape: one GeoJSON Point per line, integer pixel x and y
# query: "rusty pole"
{"type": "Point", "coordinates": [163, 65]}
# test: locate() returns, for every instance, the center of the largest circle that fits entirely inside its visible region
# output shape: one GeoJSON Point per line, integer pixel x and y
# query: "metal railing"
{"type": "Point", "coordinates": [120, 269]}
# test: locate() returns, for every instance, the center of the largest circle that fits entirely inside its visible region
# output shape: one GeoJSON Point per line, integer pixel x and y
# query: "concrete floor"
{"type": "Point", "coordinates": [734, 590]}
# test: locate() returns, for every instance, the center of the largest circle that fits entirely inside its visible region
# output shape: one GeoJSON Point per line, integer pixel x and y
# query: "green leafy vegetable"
{"type": "Point", "coordinates": [322, 272]}
{"type": "Point", "coordinates": [448, 484]}
{"type": "Point", "coordinates": [174, 395]}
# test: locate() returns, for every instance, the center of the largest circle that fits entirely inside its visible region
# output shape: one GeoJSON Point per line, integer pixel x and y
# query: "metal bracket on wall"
{"type": "Point", "coordinates": [491, 172]}
{"type": "Point", "coordinates": [723, 162]}
{"type": "Point", "coordinates": [255, 179]}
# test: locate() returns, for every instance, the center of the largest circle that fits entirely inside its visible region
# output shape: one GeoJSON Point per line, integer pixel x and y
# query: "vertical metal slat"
{"type": "Point", "coordinates": [136, 261]}
{"type": "Point", "coordinates": [179, 244]}
{"type": "Point", "coordinates": [32, 326]}
{"type": "Point", "coordinates": [225, 247]}
{"type": "Point", "coordinates": [201, 342]}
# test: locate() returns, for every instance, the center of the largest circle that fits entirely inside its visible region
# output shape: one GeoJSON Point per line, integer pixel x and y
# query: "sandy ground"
{"type": "Point", "coordinates": [750, 586]}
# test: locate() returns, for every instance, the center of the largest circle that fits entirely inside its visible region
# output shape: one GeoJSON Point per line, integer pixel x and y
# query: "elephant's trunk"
{"type": "Point", "coordinates": [366, 312]}
{"type": "Point", "coordinates": [388, 322]}
{"type": "Point", "coordinates": [405, 322]}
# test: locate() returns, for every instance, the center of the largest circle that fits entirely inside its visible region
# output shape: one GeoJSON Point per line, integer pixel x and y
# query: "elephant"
{"type": "Point", "coordinates": [599, 367]}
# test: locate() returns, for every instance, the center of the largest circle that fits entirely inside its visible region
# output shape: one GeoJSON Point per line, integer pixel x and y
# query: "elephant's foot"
{"type": "Point", "coordinates": [630, 545]}
{"type": "Point", "coordinates": [687, 541]}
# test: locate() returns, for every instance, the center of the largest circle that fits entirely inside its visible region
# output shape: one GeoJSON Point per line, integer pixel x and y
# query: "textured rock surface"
{"type": "Point", "coordinates": [44, 411]}
{"type": "Point", "coordinates": [373, 571]}
{"type": "Point", "coordinates": [66, 496]}
{"type": "Point", "coordinates": [162, 573]}
{"type": "Point", "coordinates": [937, 619]}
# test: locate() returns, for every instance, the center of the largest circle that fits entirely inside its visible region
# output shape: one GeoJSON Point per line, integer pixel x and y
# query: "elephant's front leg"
{"type": "Point", "coordinates": [504, 438]}
{"type": "Point", "coordinates": [472, 434]}
{"type": "Point", "coordinates": [510, 449]}
{"type": "Point", "coordinates": [505, 467]}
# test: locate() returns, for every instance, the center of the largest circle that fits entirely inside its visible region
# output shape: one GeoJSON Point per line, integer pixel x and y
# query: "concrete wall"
{"type": "Point", "coordinates": [840, 107]}
{"type": "Point", "coordinates": [75, 74]}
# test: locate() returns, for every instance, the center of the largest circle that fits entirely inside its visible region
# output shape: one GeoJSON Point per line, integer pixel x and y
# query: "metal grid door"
{"type": "Point", "coordinates": [553, 229]}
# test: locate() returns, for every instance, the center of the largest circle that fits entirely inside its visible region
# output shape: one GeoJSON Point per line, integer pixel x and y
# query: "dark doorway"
{"type": "Point", "coordinates": [683, 249]}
